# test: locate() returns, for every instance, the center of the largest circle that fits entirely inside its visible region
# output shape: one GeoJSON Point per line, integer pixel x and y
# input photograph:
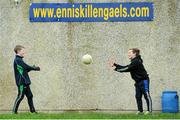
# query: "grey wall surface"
{"type": "Point", "coordinates": [64, 82]}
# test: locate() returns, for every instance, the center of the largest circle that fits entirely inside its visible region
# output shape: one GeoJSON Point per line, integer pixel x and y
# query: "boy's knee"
{"type": "Point", "coordinates": [30, 96]}
{"type": "Point", "coordinates": [146, 95]}
{"type": "Point", "coordinates": [21, 98]}
{"type": "Point", "coordinates": [138, 97]}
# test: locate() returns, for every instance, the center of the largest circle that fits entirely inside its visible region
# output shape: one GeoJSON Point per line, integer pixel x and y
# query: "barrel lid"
{"type": "Point", "coordinates": [169, 91]}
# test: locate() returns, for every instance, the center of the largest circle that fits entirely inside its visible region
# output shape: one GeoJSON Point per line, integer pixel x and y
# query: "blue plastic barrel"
{"type": "Point", "coordinates": [170, 102]}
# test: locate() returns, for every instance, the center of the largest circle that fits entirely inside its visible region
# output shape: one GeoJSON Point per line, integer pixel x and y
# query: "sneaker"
{"type": "Point", "coordinates": [147, 113]}
{"type": "Point", "coordinates": [139, 113]}
{"type": "Point", "coordinates": [14, 112]}
{"type": "Point", "coordinates": [34, 112]}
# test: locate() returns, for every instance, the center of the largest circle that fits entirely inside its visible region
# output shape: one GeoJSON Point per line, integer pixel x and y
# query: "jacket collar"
{"type": "Point", "coordinates": [137, 58]}
{"type": "Point", "coordinates": [19, 56]}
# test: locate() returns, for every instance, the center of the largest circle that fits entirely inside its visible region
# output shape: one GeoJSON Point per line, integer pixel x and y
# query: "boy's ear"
{"type": "Point", "coordinates": [18, 51]}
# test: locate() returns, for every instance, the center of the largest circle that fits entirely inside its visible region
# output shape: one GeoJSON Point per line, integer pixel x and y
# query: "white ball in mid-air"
{"type": "Point", "coordinates": [87, 59]}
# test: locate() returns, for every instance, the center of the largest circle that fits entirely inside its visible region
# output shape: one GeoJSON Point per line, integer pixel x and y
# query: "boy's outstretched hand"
{"type": "Point", "coordinates": [111, 64]}
{"type": "Point", "coordinates": [37, 68]}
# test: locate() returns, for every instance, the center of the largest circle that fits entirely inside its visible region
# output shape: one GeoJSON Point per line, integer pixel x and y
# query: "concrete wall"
{"type": "Point", "coordinates": [64, 82]}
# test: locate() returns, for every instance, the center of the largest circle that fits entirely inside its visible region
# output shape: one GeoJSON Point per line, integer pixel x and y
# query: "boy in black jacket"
{"type": "Point", "coordinates": [23, 82]}
{"type": "Point", "coordinates": [140, 76]}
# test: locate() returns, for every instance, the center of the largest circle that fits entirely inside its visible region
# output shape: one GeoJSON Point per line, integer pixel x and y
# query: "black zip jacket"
{"type": "Point", "coordinates": [136, 69]}
{"type": "Point", "coordinates": [21, 70]}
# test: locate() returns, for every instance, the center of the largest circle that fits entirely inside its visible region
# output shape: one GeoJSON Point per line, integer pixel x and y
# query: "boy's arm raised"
{"type": "Point", "coordinates": [26, 66]}
{"type": "Point", "coordinates": [126, 68]}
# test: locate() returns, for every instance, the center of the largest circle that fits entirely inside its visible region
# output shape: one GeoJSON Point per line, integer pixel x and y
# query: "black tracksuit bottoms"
{"type": "Point", "coordinates": [24, 90]}
{"type": "Point", "coordinates": [142, 88]}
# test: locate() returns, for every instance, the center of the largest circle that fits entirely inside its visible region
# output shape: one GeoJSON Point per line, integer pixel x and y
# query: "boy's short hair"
{"type": "Point", "coordinates": [136, 51]}
{"type": "Point", "coordinates": [18, 48]}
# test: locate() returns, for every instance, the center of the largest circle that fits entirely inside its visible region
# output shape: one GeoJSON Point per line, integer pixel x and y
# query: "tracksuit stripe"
{"type": "Point", "coordinates": [122, 69]}
{"type": "Point", "coordinates": [146, 87]}
{"type": "Point", "coordinates": [17, 99]}
{"type": "Point", "coordinates": [150, 102]}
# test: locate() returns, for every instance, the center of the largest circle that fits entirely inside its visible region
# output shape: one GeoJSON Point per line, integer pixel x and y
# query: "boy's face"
{"type": "Point", "coordinates": [131, 55]}
{"type": "Point", "coordinates": [21, 52]}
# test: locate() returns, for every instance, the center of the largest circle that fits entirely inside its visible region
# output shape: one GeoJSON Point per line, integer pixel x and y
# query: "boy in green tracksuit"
{"type": "Point", "coordinates": [23, 82]}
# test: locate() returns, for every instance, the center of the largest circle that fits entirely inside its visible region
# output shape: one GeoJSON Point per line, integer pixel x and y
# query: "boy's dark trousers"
{"type": "Point", "coordinates": [142, 88]}
{"type": "Point", "coordinates": [24, 90]}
